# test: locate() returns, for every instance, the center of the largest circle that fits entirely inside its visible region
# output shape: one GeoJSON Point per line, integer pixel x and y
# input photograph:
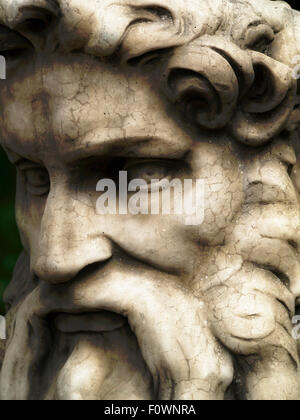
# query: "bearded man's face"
{"type": "Point", "coordinates": [148, 306]}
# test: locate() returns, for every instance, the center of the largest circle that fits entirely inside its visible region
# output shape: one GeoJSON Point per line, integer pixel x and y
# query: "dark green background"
{"type": "Point", "coordinates": [9, 239]}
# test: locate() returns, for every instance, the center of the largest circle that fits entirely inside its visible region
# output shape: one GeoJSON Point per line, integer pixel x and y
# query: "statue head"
{"type": "Point", "coordinates": [110, 300]}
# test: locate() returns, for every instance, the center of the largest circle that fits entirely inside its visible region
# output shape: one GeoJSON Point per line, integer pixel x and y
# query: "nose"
{"type": "Point", "coordinates": [68, 240]}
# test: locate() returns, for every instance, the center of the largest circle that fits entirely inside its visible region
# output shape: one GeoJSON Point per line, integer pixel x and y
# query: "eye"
{"type": "Point", "coordinates": [37, 180]}
{"type": "Point", "coordinates": [149, 170]}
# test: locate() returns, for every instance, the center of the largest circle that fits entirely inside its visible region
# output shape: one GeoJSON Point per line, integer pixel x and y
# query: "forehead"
{"type": "Point", "coordinates": [66, 102]}
{"type": "Point", "coordinates": [64, 107]}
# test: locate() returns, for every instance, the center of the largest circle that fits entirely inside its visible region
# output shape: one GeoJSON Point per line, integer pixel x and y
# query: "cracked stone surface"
{"type": "Point", "coordinates": [145, 306]}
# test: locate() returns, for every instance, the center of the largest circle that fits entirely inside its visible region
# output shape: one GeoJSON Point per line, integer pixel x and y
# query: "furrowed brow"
{"type": "Point", "coordinates": [144, 147]}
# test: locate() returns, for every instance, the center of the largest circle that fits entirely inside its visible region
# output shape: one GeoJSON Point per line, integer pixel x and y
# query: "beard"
{"type": "Point", "coordinates": [140, 335]}
{"type": "Point", "coordinates": [157, 343]}
{"type": "Point", "coordinates": [252, 317]}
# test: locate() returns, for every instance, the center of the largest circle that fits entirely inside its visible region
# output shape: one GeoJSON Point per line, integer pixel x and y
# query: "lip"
{"type": "Point", "coordinates": [95, 322]}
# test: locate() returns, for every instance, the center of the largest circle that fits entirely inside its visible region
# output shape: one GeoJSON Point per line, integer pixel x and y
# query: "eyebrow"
{"type": "Point", "coordinates": [128, 147]}
{"type": "Point", "coordinates": [16, 158]}
{"type": "Point", "coordinates": [13, 157]}
{"type": "Point", "coordinates": [82, 149]}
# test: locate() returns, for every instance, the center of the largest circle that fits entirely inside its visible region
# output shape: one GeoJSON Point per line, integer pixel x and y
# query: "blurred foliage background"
{"type": "Point", "coordinates": [10, 246]}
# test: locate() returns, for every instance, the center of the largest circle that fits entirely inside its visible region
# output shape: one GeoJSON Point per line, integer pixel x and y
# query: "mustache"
{"type": "Point", "coordinates": [169, 323]}
{"type": "Point", "coordinates": [177, 335]}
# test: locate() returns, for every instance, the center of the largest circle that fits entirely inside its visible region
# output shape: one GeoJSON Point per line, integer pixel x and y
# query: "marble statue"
{"type": "Point", "coordinates": [139, 305]}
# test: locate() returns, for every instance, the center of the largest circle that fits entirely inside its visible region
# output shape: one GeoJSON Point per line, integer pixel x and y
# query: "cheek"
{"type": "Point", "coordinates": [156, 240]}
{"type": "Point", "coordinates": [219, 169]}
{"type": "Point", "coordinates": [168, 241]}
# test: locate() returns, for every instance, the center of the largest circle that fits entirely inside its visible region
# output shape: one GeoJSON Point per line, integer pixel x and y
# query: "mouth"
{"type": "Point", "coordinates": [89, 322]}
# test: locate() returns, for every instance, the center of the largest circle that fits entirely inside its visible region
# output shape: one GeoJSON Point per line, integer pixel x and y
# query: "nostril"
{"type": "Point", "coordinates": [91, 269]}
{"type": "Point", "coordinates": [66, 270]}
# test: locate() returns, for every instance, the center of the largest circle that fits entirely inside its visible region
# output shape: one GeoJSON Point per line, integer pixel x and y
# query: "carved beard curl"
{"type": "Point", "coordinates": [250, 317]}
{"type": "Point", "coordinates": [252, 305]}
{"type": "Point", "coordinates": [167, 351]}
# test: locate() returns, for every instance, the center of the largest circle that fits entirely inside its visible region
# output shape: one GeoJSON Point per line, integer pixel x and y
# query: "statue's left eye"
{"type": "Point", "coordinates": [148, 170]}
{"type": "Point", "coordinates": [37, 181]}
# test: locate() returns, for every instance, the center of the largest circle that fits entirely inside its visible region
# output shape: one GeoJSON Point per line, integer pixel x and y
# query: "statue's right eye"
{"type": "Point", "coordinates": [37, 180]}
